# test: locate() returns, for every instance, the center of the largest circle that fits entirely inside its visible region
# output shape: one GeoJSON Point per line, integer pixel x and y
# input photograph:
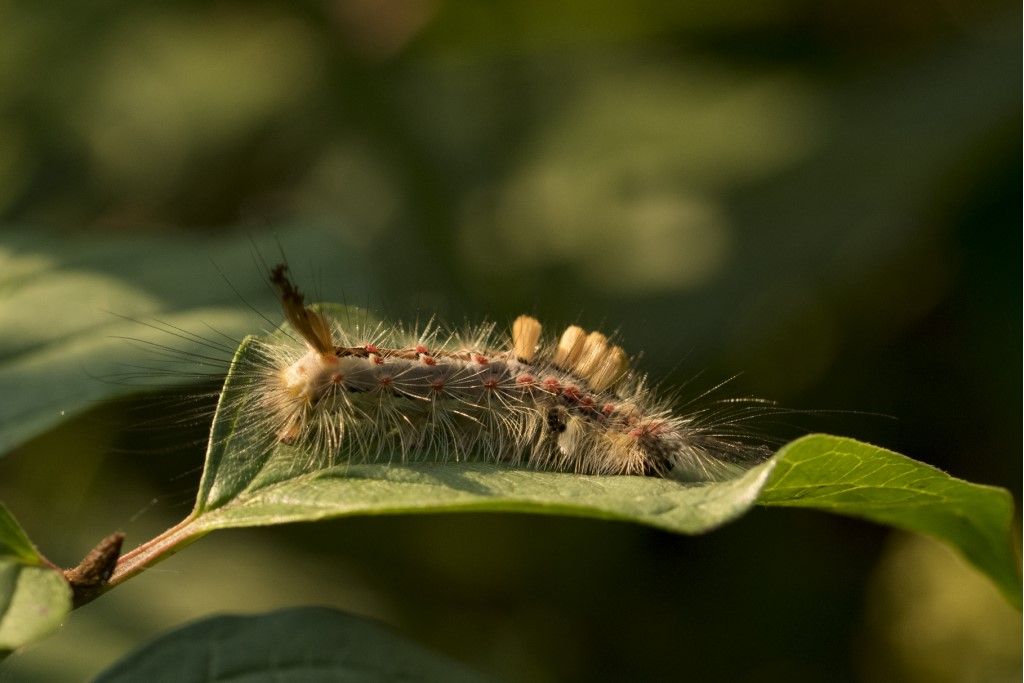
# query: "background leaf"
{"type": "Point", "coordinates": [34, 597]}
{"type": "Point", "coordinates": [303, 644]}
{"type": "Point", "coordinates": [76, 313]}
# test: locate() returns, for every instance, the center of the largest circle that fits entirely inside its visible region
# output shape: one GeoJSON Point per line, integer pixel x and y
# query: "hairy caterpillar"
{"type": "Point", "coordinates": [342, 394]}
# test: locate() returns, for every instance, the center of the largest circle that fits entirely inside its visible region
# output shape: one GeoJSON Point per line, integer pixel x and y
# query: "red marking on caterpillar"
{"type": "Point", "coordinates": [476, 395]}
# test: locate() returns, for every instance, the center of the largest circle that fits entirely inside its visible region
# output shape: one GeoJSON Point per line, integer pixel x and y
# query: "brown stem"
{"type": "Point", "coordinates": [90, 577]}
{"type": "Point", "coordinates": [155, 550]}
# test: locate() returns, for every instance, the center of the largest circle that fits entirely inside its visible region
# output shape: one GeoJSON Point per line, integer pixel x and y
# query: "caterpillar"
{"type": "Point", "coordinates": [572, 403]}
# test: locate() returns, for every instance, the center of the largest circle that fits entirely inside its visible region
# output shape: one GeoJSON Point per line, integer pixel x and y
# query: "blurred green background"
{"type": "Point", "coordinates": [824, 197]}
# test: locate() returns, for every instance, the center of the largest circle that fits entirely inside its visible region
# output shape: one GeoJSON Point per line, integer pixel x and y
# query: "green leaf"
{"type": "Point", "coordinates": [834, 474]}
{"type": "Point", "coordinates": [69, 303]}
{"type": "Point", "coordinates": [303, 644]}
{"type": "Point", "coordinates": [14, 542]}
{"type": "Point", "coordinates": [34, 597]}
{"type": "Point", "coordinates": [859, 480]}
{"type": "Point", "coordinates": [475, 487]}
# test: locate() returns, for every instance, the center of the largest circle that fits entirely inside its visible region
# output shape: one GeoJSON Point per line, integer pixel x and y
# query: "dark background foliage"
{"type": "Point", "coordinates": [823, 197]}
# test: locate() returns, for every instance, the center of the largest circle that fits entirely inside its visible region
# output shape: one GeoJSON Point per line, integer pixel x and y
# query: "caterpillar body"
{"type": "Point", "coordinates": [571, 404]}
